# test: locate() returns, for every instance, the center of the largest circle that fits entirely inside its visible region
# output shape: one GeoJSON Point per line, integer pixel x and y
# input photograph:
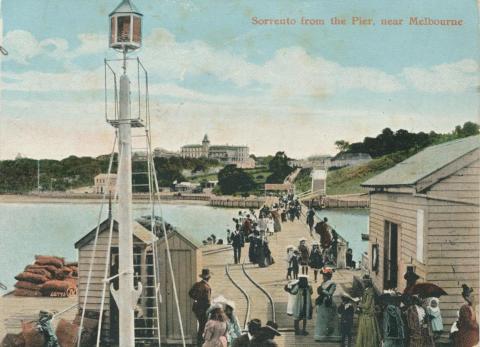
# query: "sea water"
{"type": "Point", "coordinates": [27, 229]}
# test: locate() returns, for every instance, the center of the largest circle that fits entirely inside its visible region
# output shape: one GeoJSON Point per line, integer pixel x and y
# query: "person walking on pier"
{"type": "Point", "coordinates": [326, 326]}
{"type": "Point", "coordinates": [346, 311]}
{"type": "Point", "coordinates": [302, 304]}
{"type": "Point", "coordinates": [368, 334]}
{"type": "Point", "coordinates": [216, 329]}
{"type": "Point", "coordinates": [253, 328]}
{"type": "Point", "coordinates": [316, 259]}
{"type": "Point", "coordinates": [311, 219]}
{"type": "Point", "coordinates": [304, 255]}
{"type": "Point", "coordinates": [237, 240]}
{"type": "Point", "coordinates": [265, 336]}
{"type": "Point", "coordinates": [201, 294]}
{"type": "Point", "coordinates": [467, 323]}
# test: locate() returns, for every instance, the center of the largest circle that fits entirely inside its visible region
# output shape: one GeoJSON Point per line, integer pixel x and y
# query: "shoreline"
{"type": "Point", "coordinates": [17, 198]}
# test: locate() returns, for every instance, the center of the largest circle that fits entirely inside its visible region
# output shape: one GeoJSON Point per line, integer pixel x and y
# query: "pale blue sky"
{"type": "Point", "coordinates": [293, 88]}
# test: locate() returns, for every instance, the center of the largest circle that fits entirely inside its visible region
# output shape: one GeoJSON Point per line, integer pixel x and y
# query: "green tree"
{"type": "Point", "coordinates": [342, 145]}
{"type": "Point", "coordinates": [234, 180]}
{"type": "Point", "coordinates": [279, 168]}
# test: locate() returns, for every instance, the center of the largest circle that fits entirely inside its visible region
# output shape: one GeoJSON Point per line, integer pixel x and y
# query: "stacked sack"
{"type": "Point", "coordinates": [48, 276]}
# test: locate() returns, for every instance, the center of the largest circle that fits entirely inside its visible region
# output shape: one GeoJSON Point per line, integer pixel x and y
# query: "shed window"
{"type": "Point", "coordinates": [420, 222]}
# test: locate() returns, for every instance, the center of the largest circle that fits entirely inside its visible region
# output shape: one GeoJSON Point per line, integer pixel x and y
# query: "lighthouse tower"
{"type": "Point", "coordinates": [125, 37]}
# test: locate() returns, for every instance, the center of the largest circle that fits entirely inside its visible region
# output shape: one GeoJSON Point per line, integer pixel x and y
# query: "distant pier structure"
{"type": "Point", "coordinates": [424, 215]}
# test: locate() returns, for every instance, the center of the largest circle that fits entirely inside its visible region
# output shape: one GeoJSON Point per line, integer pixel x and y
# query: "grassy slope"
{"type": "Point", "coordinates": [348, 180]}
{"type": "Point", "coordinates": [303, 182]}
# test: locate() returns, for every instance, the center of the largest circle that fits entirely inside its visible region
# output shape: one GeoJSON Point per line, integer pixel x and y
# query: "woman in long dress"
{"type": "Point", "coordinates": [326, 326]}
{"type": "Point", "coordinates": [421, 334]}
{"type": "Point", "coordinates": [368, 334]}
{"type": "Point", "coordinates": [302, 304]}
{"type": "Point", "coordinates": [467, 323]}
{"type": "Point", "coordinates": [393, 327]}
{"type": "Point", "coordinates": [216, 329]}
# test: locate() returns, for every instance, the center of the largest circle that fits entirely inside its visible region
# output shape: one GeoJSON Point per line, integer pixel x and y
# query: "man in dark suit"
{"type": "Point", "coordinates": [201, 295]}
{"type": "Point", "coordinates": [237, 240]}
{"type": "Point", "coordinates": [244, 340]}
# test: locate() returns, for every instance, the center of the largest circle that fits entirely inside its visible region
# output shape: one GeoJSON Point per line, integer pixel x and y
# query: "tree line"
{"type": "Point", "coordinates": [390, 141]}
{"type": "Point", "coordinates": [21, 175]}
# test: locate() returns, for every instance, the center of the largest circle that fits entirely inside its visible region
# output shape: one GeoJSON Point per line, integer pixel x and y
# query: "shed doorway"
{"type": "Point", "coordinates": [390, 257]}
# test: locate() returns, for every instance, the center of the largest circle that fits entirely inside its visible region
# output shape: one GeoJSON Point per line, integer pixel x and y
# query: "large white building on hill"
{"type": "Point", "coordinates": [225, 154]}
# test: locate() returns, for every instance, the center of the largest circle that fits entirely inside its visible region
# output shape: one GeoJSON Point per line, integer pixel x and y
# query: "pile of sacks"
{"type": "Point", "coordinates": [48, 276]}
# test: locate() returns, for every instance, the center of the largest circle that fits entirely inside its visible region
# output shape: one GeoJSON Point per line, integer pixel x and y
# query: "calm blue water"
{"type": "Point", "coordinates": [51, 228]}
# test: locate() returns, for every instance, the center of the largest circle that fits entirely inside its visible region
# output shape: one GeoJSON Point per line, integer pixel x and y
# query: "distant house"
{"type": "Point", "coordinates": [186, 187]}
{"type": "Point", "coordinates": [163, 153]}
{"type": "Point", "coordinates": [104, 185]}
{"type": "Point", "coordinates": [424, 214]}
{"type": "Point", "coordinates": [350, 159]}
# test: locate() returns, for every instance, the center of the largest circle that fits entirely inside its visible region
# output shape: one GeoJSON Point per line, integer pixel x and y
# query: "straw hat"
{"type": "Point", "coordinates": [302, 239]}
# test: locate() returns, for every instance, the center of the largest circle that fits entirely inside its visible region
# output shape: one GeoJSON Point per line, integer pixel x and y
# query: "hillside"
{"type": "Point", "coordinates": [347, 180]}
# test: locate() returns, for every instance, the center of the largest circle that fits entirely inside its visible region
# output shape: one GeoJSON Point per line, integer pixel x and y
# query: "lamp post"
{"type": "Point", "coordinates": [125, 36]}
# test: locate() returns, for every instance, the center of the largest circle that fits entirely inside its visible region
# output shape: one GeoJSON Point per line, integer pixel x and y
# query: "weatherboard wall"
{"type": "Point", "coordinates": [453, 240]}
{"type": "Point", "coordinates": [98, 273]}
{"type": "Point", "coordinates": [400, 209]}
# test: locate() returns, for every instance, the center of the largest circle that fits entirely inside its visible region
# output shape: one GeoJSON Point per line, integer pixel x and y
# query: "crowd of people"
{"type": "Point", "coordinates": [391, 319]}
{"type": "Point", "coordinates": [218, 325]}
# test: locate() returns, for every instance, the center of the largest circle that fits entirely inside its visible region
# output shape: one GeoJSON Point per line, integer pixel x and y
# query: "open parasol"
{"type": "Point", "coordinates": [426, 290]}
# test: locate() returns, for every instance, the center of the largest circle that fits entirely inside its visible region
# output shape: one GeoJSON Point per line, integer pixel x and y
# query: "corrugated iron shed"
{"type": "Point", "coordinates": [424, 163]}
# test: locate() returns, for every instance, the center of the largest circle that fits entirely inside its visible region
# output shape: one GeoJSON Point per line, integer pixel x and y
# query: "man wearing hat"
{"type": "Point", "coordinates": [244, 340]}
{"type": "Point", "coordinates": [266, 335]}
{"type": "Point", "coordinates": [201, 295]}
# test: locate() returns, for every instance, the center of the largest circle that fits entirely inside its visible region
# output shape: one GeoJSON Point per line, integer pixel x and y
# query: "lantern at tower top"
{"type": "Point", "coordinates": [125, 27]}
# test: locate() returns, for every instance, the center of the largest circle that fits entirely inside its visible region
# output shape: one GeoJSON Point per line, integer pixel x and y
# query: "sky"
{"type": "Point", "coordinates": [296, 88]}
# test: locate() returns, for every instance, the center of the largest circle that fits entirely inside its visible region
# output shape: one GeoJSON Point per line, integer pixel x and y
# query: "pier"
{"type": "Point", "coordinates": [253, 302]}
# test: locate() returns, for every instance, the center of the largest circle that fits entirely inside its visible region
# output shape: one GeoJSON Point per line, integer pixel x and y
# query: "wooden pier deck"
{"type": "Point", "coordinates": [273, 280]}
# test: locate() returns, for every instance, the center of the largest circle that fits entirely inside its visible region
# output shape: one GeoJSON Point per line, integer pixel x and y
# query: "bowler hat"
{"type": "Point", "coordinates": [206, 274]}
{"type": "Point", "coordinates": [255, 324]}
{"type": "Point", "coordinates": [272, 327]}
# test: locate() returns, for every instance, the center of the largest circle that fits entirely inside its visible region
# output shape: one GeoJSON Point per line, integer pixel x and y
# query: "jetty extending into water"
{"type": "Point", "coordinates": [262, 286]}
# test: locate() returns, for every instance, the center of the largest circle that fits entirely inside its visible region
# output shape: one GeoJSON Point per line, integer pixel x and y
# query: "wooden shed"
{"type": "Point", "coordinates": [424, 213]}
{"type": "Point", "coordinates": [142, 240]}
{"type": "Point", "coordinates": [186, 258]}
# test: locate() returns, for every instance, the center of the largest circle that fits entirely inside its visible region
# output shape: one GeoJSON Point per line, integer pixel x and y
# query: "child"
{"type": "Point", "coordinates": [316, 259]}
{"type": "Point", "coordinates": [346, 311]}
{"type": "Point", "coordinates": [304, 255]}
{"type": "Point", "coordinates": [433, 310]}
{"type": "Point", "coordinates": [288, 259]}
{"type": "Point", "coordinates": [294, 263]}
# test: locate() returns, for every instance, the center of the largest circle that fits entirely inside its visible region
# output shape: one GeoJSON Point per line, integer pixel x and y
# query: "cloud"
{"type": "Point", "coordinates": [23, 46]}
{"type": "Point", "coordinates": [35, 81]}
{"type": "Point", "coordinates": [290, 72]}
{"type": "Point", "coordinates": [455, 77]}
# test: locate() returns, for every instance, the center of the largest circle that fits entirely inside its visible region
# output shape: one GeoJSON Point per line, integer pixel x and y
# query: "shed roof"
{"type": "Point", "coordinates": [192, 242]}
{"type": "Point", "coordinates": [142, 234]}
{"type": "Point", "coordinates": [424, 163]}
